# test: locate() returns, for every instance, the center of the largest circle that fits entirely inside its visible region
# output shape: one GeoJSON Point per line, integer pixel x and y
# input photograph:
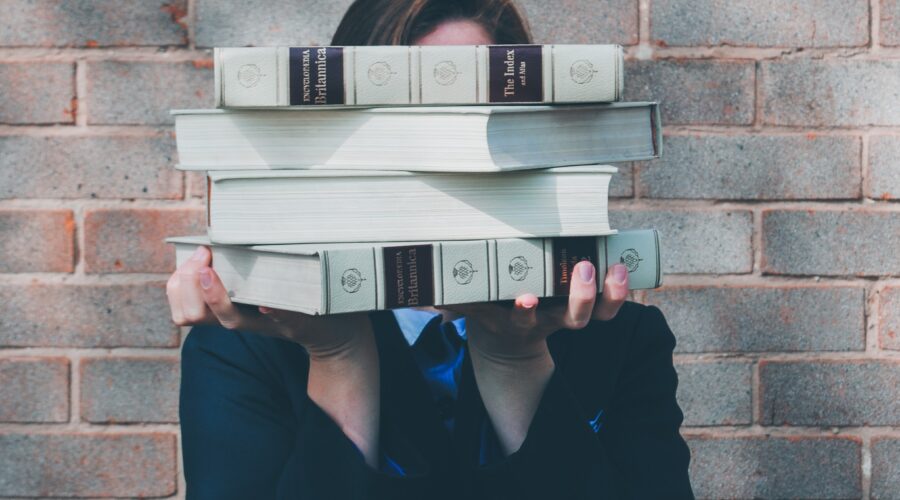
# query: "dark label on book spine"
{"type": "Point", "coordinates": [316, 75]}
{"type": "Point", "coordinates": [566, 253]}
{"type": "Point", "coordinates": [408, 276]}
{"type": "Point", "coordinates": [515, 73]}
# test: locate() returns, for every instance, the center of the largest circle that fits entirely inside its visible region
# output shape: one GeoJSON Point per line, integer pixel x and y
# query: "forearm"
{"type": "Point", "coordinates": [511, 388]}
{"type": "Point", "coordinates": [346, 385]}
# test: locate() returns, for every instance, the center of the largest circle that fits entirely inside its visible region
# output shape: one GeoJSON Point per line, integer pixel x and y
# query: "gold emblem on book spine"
{"type": "Point", "coordinates": [380, 73]}
{"type": "Point", "coordinates": [351, 280]}
{"type": "Point", "coordinates": [463, 272]}
{"type": "Point", "coordinates": [631, 258]}
{"type": "Point", "coordinates": [249, 75]}
{"type": "Point", "coordinates": [518, 268]}
{"type": "Point", "coordinates": [445, 73]}
{"type": "Point", "coordinates": [582, 71]}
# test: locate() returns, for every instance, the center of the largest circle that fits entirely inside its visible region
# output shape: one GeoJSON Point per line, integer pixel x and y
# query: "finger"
{"type": "Point", "coordinates": [193, 306]}
{"type": "Point", "coordinates": [173, 294]}
{"type": "Point", "coordinates": [524, 311]}
{"type": "Point", "coordinates": [582, 295]}
{"type": "Point", "coordinates": [615, 290]}
{"type": "Point", "coordinates": [216, 298]}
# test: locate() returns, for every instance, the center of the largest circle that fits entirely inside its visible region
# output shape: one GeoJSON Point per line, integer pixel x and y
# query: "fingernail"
{"type": "Point", "coordinates": [264, 310]}
{"type": "Point", "coordinates": [620, 273]}
{"type": "Point", "coordinates": [205, 278]}
{"type": "Point", "coordinates": [198, 254]}
{"type": "Point", "coordinates": [586, 271]}
{"type": "Point", "coordinates": [528, 305]}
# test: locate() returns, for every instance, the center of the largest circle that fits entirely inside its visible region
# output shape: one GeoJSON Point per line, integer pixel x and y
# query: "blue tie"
{"type": "Point", "coordinates": [439, 354]}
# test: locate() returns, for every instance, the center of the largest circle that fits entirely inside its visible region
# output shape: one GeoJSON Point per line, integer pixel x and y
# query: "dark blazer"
{"type": "Point", "coordinates": [607, 425]}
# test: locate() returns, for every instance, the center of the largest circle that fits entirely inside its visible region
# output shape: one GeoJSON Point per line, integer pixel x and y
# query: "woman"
{"type": "Point", "coordinates": [554, 399]}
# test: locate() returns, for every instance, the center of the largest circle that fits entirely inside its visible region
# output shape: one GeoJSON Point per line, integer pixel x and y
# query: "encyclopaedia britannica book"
{"type": "Point", "coordinates": [350, 277]}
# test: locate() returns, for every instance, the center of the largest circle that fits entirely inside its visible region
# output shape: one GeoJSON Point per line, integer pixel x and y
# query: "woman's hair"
{"type": "Point", "coordinates": [401, 22]}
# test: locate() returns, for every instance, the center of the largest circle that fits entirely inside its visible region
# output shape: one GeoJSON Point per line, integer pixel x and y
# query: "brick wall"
{"type": "Point", "coordinates": [777, 197]}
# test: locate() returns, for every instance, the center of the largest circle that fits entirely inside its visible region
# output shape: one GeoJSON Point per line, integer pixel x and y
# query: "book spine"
{"type": "Point", "coordinates": [399, 75]}
{"type": "Point", "coordinates": [389, 277]}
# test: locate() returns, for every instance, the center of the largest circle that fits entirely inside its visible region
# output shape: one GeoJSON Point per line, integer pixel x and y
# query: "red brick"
{"type": "Point", "coordinates": [37, 240]}
{"type": "Point", "coordinates": [95, 465]}
{"type": "Point", "coordinates": [760, 23]}
{"type": "Point", "coordinates": [89, 167]}
{"type": "Point", "coordinates": [135, 93]}
{"type": "Point", "coordinates": [889, 318]}
{"type": "Point", "coordinates": [130, 390]}
{"type": "Point", "coordinates": [43, 315]}
{"type": "Point", "coordinates": [883, 181]}
{"type": "Point", "coordinates": [578, 21]}
{"type": "Point", "coordinates": [38, 93]}
{"type": "Point", "coordinates": [93, 23]}
{"type": "Point", "coordinates": [830, 242]}
{"type": "Point", "coordinates": [890, 22]}
{"type": "Point", "coordinates": [132, 240]}
{"type": "Point", "coordinates": [34, 390]}
{"type": "Point", "coordinates": [830, 393]}
{"type": "Point", "coordinates": [196, 184]}
{"type": "Point", "coordinates": [774, 467]}
{"type": "Point", "coordinates": [885, 468]}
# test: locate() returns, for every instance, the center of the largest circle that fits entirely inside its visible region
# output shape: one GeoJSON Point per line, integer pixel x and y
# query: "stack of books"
{"type": "Point", "coordinates": [346, 179]}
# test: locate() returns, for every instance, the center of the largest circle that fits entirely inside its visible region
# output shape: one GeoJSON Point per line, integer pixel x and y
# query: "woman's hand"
{"type": "Point", "coordinates": [508, 345]}
{"type": "Point", "coordinates": [344, 378]}
{"type": "Point", "coordinates": [516, 332]}
{"type": "Point", "coordinates": [197, 296]}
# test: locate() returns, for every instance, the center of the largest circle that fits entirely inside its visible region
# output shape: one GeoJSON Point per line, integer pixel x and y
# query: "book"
{"type": "Point", "coordinates": [339, 206]}
{"type": "Point", "coordinates": [398, 75]}
{"type": "Point", "coordinates": [435, 139]}
{"type": "Point", "coordinates": [340, 278]}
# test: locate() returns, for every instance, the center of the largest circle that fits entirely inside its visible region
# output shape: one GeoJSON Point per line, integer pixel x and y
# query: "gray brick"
{"type": "Point", "coordinates": [884, 167]}
{"type": "Point", "coordinates": [579, 21]}
{"type": "Point", "coordinates": [130, 93]}
{"type": "Point", "coordinates": [37, 240]}
{"type": "Point", "coordinates": [760, 23]}
{"type": "Point", "coordinates": [885, 468]}
{"type": "Point", "coordinates": [770, 467]}
{"type": "Point", "coordinates": [236, 23]}
{"type": "Point", "coordinates": [34, 390]}
{"type": "Point", "coordinates": [715, 393]}
{"type": "Point", "coordinates": [831, 92]}
{"type": "Point", "coordinates": [830, 242]}
{"type": "Point", "coordinates": [43, 315]}
{"type": "Point", "coordinates": [92, 23]}
{"type": "Point", "coordinates": [830, 393]}
{"type": "Point", "coordinates": [755, 167]}
{"type": "Point", "coordinates": [694, 92]}
{"type": "Point", "coordinates": [89, 167]}
{"type": "Point", "coordinates": [122, 465]}
{"type": "Point", "coordinates": [129, 390]}
{"type": "Point", "coordinates": [764, 319]}
{"type": "Point", "coordinates": [890, 22]}
{"type": "Point", "coordinates": [695, 241]}
{"type": "Point", "coordinates": [133, 240]}
{"type": "Point", "coordinates": [622, 184]}
{"type": "Point", "coordinates": [889, 318]}
{"type": "Point", "coordinates": [38, 93]}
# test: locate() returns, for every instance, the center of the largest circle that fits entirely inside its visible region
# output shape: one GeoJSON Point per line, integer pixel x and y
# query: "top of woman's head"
{"type": "Point", "coordinates": [405, 22]}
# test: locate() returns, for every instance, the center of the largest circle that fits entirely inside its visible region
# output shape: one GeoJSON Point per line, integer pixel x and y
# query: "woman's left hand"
{"type": "Point", "coordinates": [507, 333]}
{"type": "Point", "coordinates": [508, 345]}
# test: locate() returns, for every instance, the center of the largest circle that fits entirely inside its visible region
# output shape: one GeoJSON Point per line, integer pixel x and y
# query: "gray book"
{"type": "Point", "coordinates": [340, 278]}
{"type": "Point", "coordinates": [335, 206]}
{"type": "Point", "coordinates": [418, 138]}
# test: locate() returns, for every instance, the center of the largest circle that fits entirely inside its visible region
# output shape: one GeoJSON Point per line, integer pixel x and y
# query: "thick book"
{"type": "Point", "coordinates": [338, 206]}
{"type": "Point", "coordinates": [437, 139]}
{"type": "Point", "coordinates": [336, 278]}
{"type": "Point", "coordinates": [398, 75]}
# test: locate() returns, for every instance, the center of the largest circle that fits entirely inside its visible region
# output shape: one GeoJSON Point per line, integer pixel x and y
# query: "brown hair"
{"type": "Point", "coordinates": [400, 22]}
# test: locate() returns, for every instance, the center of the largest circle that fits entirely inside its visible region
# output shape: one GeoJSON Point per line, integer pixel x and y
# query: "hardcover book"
{"type": "Point", "coordinates": [316, 206]}
{"type": "Point", "coordinates": [398, 75]}
{"type": "Point", "coordinates": [340, 278]}
{"type": "Point", "coordinates": [436, 139]}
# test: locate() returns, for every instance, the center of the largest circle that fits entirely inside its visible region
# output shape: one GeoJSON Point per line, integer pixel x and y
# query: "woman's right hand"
{"type": "Point", "coordinates": [197, 296]}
